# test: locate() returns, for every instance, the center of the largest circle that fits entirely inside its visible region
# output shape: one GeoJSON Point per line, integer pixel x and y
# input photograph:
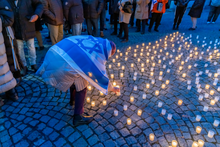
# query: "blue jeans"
{"type": "Point", "coordinates": [92, 27]}
{"type": "Point", "coordinates": [77, 29]}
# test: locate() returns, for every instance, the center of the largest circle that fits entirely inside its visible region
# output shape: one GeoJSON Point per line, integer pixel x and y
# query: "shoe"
{"type": "Point", "coordinates": [142, 33]}
{"type": "Point", "coordinates": [192, 29]}
{"type": "Point", "coordinates": [11, 95]}
{"type": "Point", "coordinates": [213, 22]}
{"type": "Point", "coordinates": [177, 28]}
{"type": "Point", "coordinates": [119, 35]}
{"type": "Point", "coordinates": [107, 19]}
{"type": "Point", "coordinates": [24, 71]}
{"type": "Point", "coordinates": [149, 30]}
{"type": "Point", "coordinates": [156, 30]}
{"type": "Point", "coordinates": [137, 30]}
{"type": "Point", "coordinates": [40, 48]}
{"type": "Point", "coordinates": [81, 120]}
{"type": "Point", "coordinates": [34, 67]}
{"type": "Point", "coordinates": [208, 22]}
{"type": "Point", "coordinates": [101, 34]}
{"type": "Point", "coordinates": [124, 41]}
{"type": "Point", "coordinates": [174, 27]}
{"type": "Point", "coordinates": [113, 33]}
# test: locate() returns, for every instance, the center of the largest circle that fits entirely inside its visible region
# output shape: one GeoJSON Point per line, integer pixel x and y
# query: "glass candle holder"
{"type": "Point", "coordinates": [151, 137]}
{"type": "Point", "coordinates": [157, 92]}
{"type": "Point", "coordinates": [163, 86]}
{"type": "Point", "coordinates": [160, 104]}
{"type": "Point", "coordinates": [115, 112]}
{"type": "Point", "coordinates": [93, 103]}
{"type": "Point", "coordinates": [180, 102]}
{"type": "Point", "coordinates": [88, 99]}
{"type": "Point", "coordinates": [201, 143]}
{"type": "Point", "coordinates": [135, 87]}
{"type": "Point", "coordinates": [198, 117]}
{"type": "Point", "coordinates": [131, 99]}
{"type": "Point", "coordinates": [216, 123]}
{"type": "Point", "coordinates": [212, 102]}
{"type": "Point", "coordinates": [147, 85]}
{"type": "Point", "coordinates": [205, 108]}
{"type": "Point", "coordinates": [195, 144]}
{"type": "Point", "coordinates": [144, 96]}
{"type": "Point", "coordinates": [211, 134]}
{"type": "Point", "coordinates": [89, 88]}
{"type": "Point", "coordinates": [139, 112]}
{"type": "Point", "coordinates": [104, 102]}
{"type": "Point", "coordinates": [128, 121]}
{"type": "Point", "coordinates": [174, 143]}
{"type": "Point", "coordinates": [169, 117]}
{"type": "Point", "coordinates": [167, 82]}
{"type": "Point", "coordinates": [163, 112]}
{"type": "Point", "coordinates": [198, 129]}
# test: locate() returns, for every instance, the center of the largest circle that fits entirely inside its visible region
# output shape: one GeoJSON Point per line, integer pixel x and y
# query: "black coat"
{"type": "Point", "coordinates": [53, 12]}
{"type": "Point", "coordinates": [113, 6]}
{"type": "Point", "coordinates": [181, 3]}
{"type": "Point", "coordinates": [197, 8]}
{"type": "Point", "coordinates": [25, 30]}
{"type": "Point", "coordinates": [73, 11]}
{"type": "Point", "coordinates": [92, 8]}
{"type": "Point", "coordinates": [7, 17]}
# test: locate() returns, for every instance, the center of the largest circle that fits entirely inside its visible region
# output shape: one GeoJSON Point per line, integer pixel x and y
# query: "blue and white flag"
{"type": "Point", "coordinates": [83, 55]}
{"type": "Point", "coordinates": [152, 4]}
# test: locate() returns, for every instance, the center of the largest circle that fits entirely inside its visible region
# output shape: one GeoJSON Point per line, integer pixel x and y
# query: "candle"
{"type": "Point", "coordinates": [113, 60]}
{"type": "Point", "coordinates": [212, 102]}
{"type": "Point", "coordinates": [151, 137]}
{"type": "Point", "coordinates": [147, 85]}
{"type": "Point", "coordinates": [189, 67]}
{"type": "Point", "coordinates": [169, 117]}
{"type": "Point", "coordinates": [116, 56]}
{"type": "Point", "coordinates": [139, 112]}
{"type": "Point", "coordinates": [104, 102]}
{"type": "Point", "coordinates": [195, 144]}
{"type": "Point", "coordinates": [116, 112]}
{"type": "Point", "coordinates": [201, 143]}
{"type": "Point", "coordinates": [152, 81]}
{"type": "Point", "coordinates": [216, 123]}
{"type": "Point", "coordinates": [168, 70]}
{"type": "Point", "coordinates": [207, 86]}
{"type": "Point", "coordinates": [167, 82]}
{"type": "Point", "coordinates": [163, 86]}
{"type": "Point", "coordinates": [88, 99]}
{"type": "Point", "coordinates": [93, 103]}
{"type": "Point", "coordinates": [157, 92]}
{"type": "Point", "coordinates": [144, 96]}
{"type": "Point", "coordinates": [160, 78]}
{"type": "Point", "coordinates": [131, 98]}
{"type": "Point", "coordinates": [205, 108]}
{"type": "Point", "coordinates": [198, 129]}
{"type": "Point", "coordinates": [142, 64]}
{"type": "Point", "coordinates": [212, 92]}
{"type": "Point", "coordinates": [139, 59]}
{"type": "Point", "coordinates": [160, 104]}
{"type": "Point", "coordinates": [142, 69]}
{"type": "Point", "coordinates": [151, 73]}
{"type": "Point", "coordinates": [153, 64]}
{"type": "Point", "coordinates": [114, 84]}
{"type": "Point", "coordinates": [188, 82]}
{"type": "Point", "coordinates": [200, 97]}
{"type": "Point", "coordinates": [161, 73]}
{"type": "Point", "coordinates": [135, 54]}
{"type": "Point", "coordinates": [125, 107]}
{"type": "Point", "coordinates": [89, 87]}
{"type": "Point", "coordinates": [110, 66]}
{"type": "Point", "coordinates": [126, 58]}
{"type": "Point", "coordinates": [123, 67]}
{"type": "Point", "coordinates": [206, 95]}
{"type": "Point", "coordinates": [132, 65]}
{"type": "Point", "coordinates": [216, 99]}
{"type": "Point", "coordinates": [101, 93]}
{"type": "Point", "coordinates": [180, 102]}
{"type": "Point", "coordinates": [163, 112]}
{"type": "Point", "coordinates": [189, 87]}
{"type": "Point", "coordinates": [121, 54]}
{"type": "Point", "coordinates": [112, 76]}
{"type": "Point", "coordinates": [198, 117]}
{"type": "Point", "coordinates": [135, 87]}
{"type": "Point", "coordinates": [211, 134]}
{"type": "Point", "coordinates": [126, 53]}
{"type": "Point", "coordinates": [122, 74]}
{"type": "Point", "coordinates": [119, 64]}
{"type": "Point", "coordinates": [184, 75]}
{"type": "Point", "coordinates": [134, 78]}
{"type": "Point", "coordinates": [129, 121]}
{"type": "Point", "coordinates": [180, 68]}
{"type": "Point", "coordinates": [174, 143]}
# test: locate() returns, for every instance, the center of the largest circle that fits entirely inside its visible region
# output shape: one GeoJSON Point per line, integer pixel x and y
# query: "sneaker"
{"type": "Point", "coordinates": [34, 67]}
{"type": "Point", "coordinates": [156, 30]}
{"type": "Point", "coordinates": [101, 34]}
{"type": "Point", "coordinates": [208, 22]}
{"type": "Point", "coordinates": [81, 120]}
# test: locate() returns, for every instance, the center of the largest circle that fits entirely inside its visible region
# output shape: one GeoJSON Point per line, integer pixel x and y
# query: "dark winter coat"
{"type": "Point", "coordinates": [92, 8]}
{"type": "Point", "coordinates": [25, 30]}
{"type": "Point", "coordinates": [197, 8]}
{"type": "Point", "coordinates": [53, 12]}
{"type": "Point", "coordinates": [73, 11]}
{"type": "Point", "coordinates": [181, 3]}
{"type": "Point", "coordinates": [114, 6]}
{"type": "Point", "coordinates": [7, 17]}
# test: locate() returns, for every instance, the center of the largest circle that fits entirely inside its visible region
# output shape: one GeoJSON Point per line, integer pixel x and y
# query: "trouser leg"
{"type": "Point", "coordinates": [102, 19]}
{"type": "Point", "coordinates": [158, 19]}
{"type": "Point", "coordinates": [89, 26]}
{"type": "Point", "coordinates": [31, 51]}
{"type": "Point", "coordinates": [115, 17]}
{"type": "Point", "coordinates": [176, 15]}
{"type": "Point", "coordinates": [39, 38]}
{"type": "Point", "coordinates": [125, 27]}
{"type": "Point", "coordinates": [121, 29]}
{"type": "Point", "coordinates": [138, 24]}
{"type": "Point", "coordinates": [95, 27]}
{"type": "Point", "coordinates": [72, 94]}
{"type": "Point", "coordinates": [21, 51]}
{"type": "Point", "coordinates": [152, 20]}
{"type": "Point", "coordinates": [60, 33]}
{"type": "Point", "coordinates": [79, 101]}
{"type": "Point", "coordinates": [181, 13]}
{"type": "Point", "coordinates": [211, 13]}
{"type": "Point", "coordinates": [217, 12]}
{"type": "Point", "coordinates": [143, 25]}
{"type": "Point", "coordinates": [76, 29]}
{"type": "Point", "coordinates": [54, 32]}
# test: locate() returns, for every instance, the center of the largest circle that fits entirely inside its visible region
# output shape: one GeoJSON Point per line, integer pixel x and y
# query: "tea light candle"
{"type": "Point", "coordinates": [198, 117]}
{"type": "Point", "coordinates": [135, 88]}
{"type": "Point", "coordinates": [104, 102]}
{"type": "Point", "coordinates": [128, 121]}
{"type": "Point", "coordinates": [161, 73]}
{"type": "Point", "coordinates": [212, 102]}
{"type": "Point", "coordinates": [113, 60]}
{"type": "Point", "coordinates": [163, 112]}
{"type": "Point", "coordinates": [188, 82]}
{"type": "Point", "coordinates": [151, 73]}
{"type": "Point", "coordinates": [101, 93]}
{"type": "Point", "coordinates": [160, 104]}
{"type": "Point", "coordinates": [207, 86]}
{"type": "Point", "coordinates": [139, 60]}
{"type": "Point", "coordinates": [116, 56]}
{"type": "Point", "coordinates": [205, 108]}
{"type": "Point", "coordinates": [198, 129]}
{"type": "Point", "coordinates": [163, 86]}
{"type": "Point", "coordinates": [126, 58]}
{"type": "Point", "coordinates": [121, 54]}
{"type": "Point", "coordinates": [119, 64]}
{"type": "Point", "coordinates": [89, 88]}
{"type": "Point", "coordinates": [93, 103]}
{"type": "Point", "coordinates": [142, 69]}
{"type": "Point", "coordinates": [167, 82]}
{"type": "Point", "coordinates": [121, 74]}
{"type": "Point", "coordinates": [152, 81]}
{"type": "Point", "coordinates": [131, 98]}
{"type": "Point", "coordinates": [125, 107]}
{"type": "Point", "coordinates": [184, 75]}
{"type": "Point", "coordinates": [211, 134]}
{"type": "Point", "coordinates": [206, 95]}
{"type": "Point", "coordinates": [180, 102]}
{"type": "Point", "coordinates": [168, 70]}
{"type": "Point", "coordinates": [144, 96]}
{"type": "Point", "coordinates": [135, 55]}
{"type": "Point", "coordinates": [160, 78]}
{"type": "Point", "coordinates": [212, 92]}
{"type": "Point", "coordinates": [151, 137]}
{"type": "Point", "coordinates": [88, 99]}
{"type": "Point", "coordinates": [189, 87]}
{"type": "Point", "coordinates": [114, 84]}
{"type": "Point", "coordinates": [216, 123]}
{"type": "Point", "coordinates": [147, 85]}
{"type": "Point", "coordinates": [157, 92]}
{"type": "Point", "coordinates": [132, 65]}
{"type": "Point", "coordinates": [201, 143]}
{"type": "Point", "coordinates": [116, 112]}
{"type": "Point", "coordinates": [123, 67]}
{"type": "Point", "coordinates": [134, 78]}
{"type": "Point", "coordinates": [169, 117]}
{"type": "Point", "coordinates": [142, 64]}
{"type": "Point", "coordinates": [200, 97]}
{"type": "Point", "coordinates": [216, 99]}
{"type": "Point", "coordinates": [195, 144]}
{"type": "Point", "coordinates": [112, 76]}
{"type": "Point", "coordinates": [110, 66]}
{"type": "Point", "coordinates": [139, 112]}
{"type": "Point", "coordinates": [190, 66]}
{"type": "Point", "coordinates": [174, 143]}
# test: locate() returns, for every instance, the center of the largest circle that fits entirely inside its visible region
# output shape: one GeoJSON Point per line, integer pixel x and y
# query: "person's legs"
{"type": "Point", "coordinates": [176, 16]}
{"type": "Point", "coordinates": [181, 13]}
{"type": "Point", "coordinates": [21, 52]}
{"type": "Point", "coordinates": [72, 94]}
{"type": "Point", "coordinates": [102, 22]}
{"type": "Point", "coordinates": [89, 26]}
{"type": "Point", "coordinates": [217, 12]}
{"type": "Point", "coordinates": [60, 33]}
{"type": "Point", "coordinates": [115, 19]}
{"type": "Point", "coordinates": [54, 31]}
{"type": "Point", "coordinates": [152, 20]}
{"type": "Point", "coordinates": [143, 26]}
{"type": "Point", "coordinates": [76, 29]}
{"type": "Point", "coordinates": [211, 13]}
{"type": "Point", "coordinates": [32, 53]}
{"type": "Point", "coordinates": [138, 25]}
{"type": "Point", "coordinates": [39, 39]}
{"type": "Point", "coordinates": [194, 21]}
{"type": "Point", "coordinates": [95, 27]}
{"type": "Point", "coordinates": [80, 97]}
{"type": "Point", "coordinates": [158, 19]}
{"type": "Point", "coordinates": [125, 29]}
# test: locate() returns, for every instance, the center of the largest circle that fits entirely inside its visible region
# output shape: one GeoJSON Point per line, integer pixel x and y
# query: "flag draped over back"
{"type": "Point", "coordinates": [83, 55]}
{"type": "Point", "coordinates": [152, 4]}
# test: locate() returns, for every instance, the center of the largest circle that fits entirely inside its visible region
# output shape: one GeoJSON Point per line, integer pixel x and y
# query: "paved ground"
{"type": "Point", "coordinates": [43, 117]}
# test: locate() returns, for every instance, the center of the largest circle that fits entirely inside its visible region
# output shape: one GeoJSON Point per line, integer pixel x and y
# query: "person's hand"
{"type": "Point", "coordinates": [122, 11]}
{"type": "Point", "coordinates": [33, 18]}
{"type": "Point", "coordinates": [115, 90]}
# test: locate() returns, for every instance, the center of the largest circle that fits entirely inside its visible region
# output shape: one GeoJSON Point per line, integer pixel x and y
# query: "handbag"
{"type": "Point", "coordinates": [17, 72]}
{"type": "Point", "coordinates": [127, 8]}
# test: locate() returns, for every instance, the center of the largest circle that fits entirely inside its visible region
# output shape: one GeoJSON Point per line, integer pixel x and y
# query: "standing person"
{"type": "Point", "coordinates": [124, 19]}
{"type": "Point", "coordinates": [195, 12]}
{"type": "Point", "coordinates": [133, 14]}
{"type": "Point", "coordinates": [53, 15]}
{"type": "Point", "coordinates": [103, 19]}
{"type": "Point", "coordinates": [24, 26]}
{"type": "Point", "coordinates": [73, 12]}
{"type": "Point", "coordinates": [7, 64]}
{"type": "Point", "coordinates": [85, 64]}
{"type": "Point", "coordinates": [141, 14]}
{"type": "Point", "coordinates": [92, 9]}
{"type": "Point", "coordinates": [181, 6]}
{"type": "Point", "coordinates": [115, 12]}
{"type": "Point", "coordinates": [38, 27]}
{"type": "Point", "coordinates": [158, 7]}
{"type": "Point", "coordinates": [214, 11]}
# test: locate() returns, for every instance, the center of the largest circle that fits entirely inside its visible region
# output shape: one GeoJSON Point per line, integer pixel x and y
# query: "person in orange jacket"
{"type": "Point", "coordinates": [158, 7]}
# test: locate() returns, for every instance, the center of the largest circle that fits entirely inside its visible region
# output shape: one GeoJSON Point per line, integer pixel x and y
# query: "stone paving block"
{"type": "Point", "coordinates": [23, 143]}
{"type": "Point", "coordinates": [47, 131]}
{"type": "Point", "coordinates": [109, 143]}
{"type": "Point", "coordinates": [124, 132]}
{"type": "Point", "coordinates": [162, 141]}
{"type": "Point", "coordinates": [80, 143]}
{"type": "Point", "coordinates": [67, 131]}
{"type": "Point", "coordinates": [17, 137]}
{"type": "Point", "coordinates": [93, 140]}
{"type": "Point", "coordinates": [99, 130]}
{"type": "Point", "coordinates": [53, 136]}
{"type": "Point", "coordinates": [60, 142]}
{"type": "Point", "coordinates": [74, 137]}
{"type": "Point", "coordinates": [87, 133]}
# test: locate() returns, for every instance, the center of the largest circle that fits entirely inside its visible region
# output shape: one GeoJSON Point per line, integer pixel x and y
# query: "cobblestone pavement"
{"type": "Point", "coordinates": [43, 117]}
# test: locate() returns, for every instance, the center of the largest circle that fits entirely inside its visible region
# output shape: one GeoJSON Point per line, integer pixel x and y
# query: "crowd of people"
{"type": "Point", "coordinates": [27, 17]}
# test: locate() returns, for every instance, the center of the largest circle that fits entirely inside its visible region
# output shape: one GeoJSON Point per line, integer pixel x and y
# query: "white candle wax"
{"type": "Point", "coordinates": [135, 88]}
{"type": "Point", "coordinates": [144, 96]}
{"type": "Point", "coordinates": [211, 134]}
{"type": "Point", "coordinates": [125, 107]}
{"type": "Point", "coordinates": [169, 117]}
{"type": "Point", "coordinates": [198, 117]}
{"type": "Point", "coordinates": [116, 112]}
{"type": "Point", "coordinates": [160, 104]}
{"type": "Point", "coordinates": [205, 108]}
{"type": "Point", "coordinates": [163, 112]}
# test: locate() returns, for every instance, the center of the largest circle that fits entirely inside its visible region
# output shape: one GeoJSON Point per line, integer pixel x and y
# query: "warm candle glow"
{"type": "Point", "coordinates": [101, 93]}
{"type": "Point", "coordinates": [198, 129]}
{"type": "Point", "coordinates": [207, 86]}
{"type": "Point", "coordinates": [142, 69]}
{"type": "Point", "coordinates": [131, 98]}
{"type": "Point", "coordinates": [116, 112]}
{"type": "Point", "coordinates": [123, 67]}
{"type": "Point", "coordinates": [89, 87]}
{"type": "Point", "coordinates": [184, 75]}
{"type": "Point", "coordinates": [88, 99]}
{"type": "Point", "coordinates": [147, 85]}
{"type": "Point", "coordinates": [132, 65]}
{"type": "Point", "coordinates": [151, 73]}
{"type": "Point", "coordinates": [104, 102]}
{"type": "Point", "coordinates": [112, 76]}
{"type": "Point", "coordinates": [212, 102]}
{"type": "Point", "coordinates": [128, 121]}
{"type": "Point", "coordinates": [190, 66]}
{"type": "Point", "coordinates": [180, 102]}
{"type": "Point", "coordinates": [161, 73]}
{"type": "Point", "coordinates": [195, 144]}
{"type": "Point", "coordinates": [212, 92]}
{"type": "Point", "coordinates": [157, 92]}
{"type": "Point", "coordinates": [180, 68]}
{"type": "Point", "coordinates": [201, 143]}
{"type": "Point", "coordinates": [167, 82]}
{"type": "Point", "coordinates": [113, 60]}
{"type": "Point", "coordinates": [174, 143]}
{"type": "Point", "coordinates": [93, 103]}
{"type": "Point", "coordinates": [121, 75]}
{"type": "Point", "coordinates": [151, 137]}
{"type": "Point", "coordinates": [119, 64]}
{"type": "Point", "coordinates": [211, 134]}
{"type": "Point", "coordinates": [139, 60]}
{"type": "Point", "coordinates": [163, 86]}
{"type": "Point", "coordinates": [110, 66]}
{"type": "Point", "coordinates": [139, 112]}
{"type": "Point", "coordinates": [126, 58]}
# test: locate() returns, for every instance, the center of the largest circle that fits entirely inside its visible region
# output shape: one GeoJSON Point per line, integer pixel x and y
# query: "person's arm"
{"type": "Point", "coordinates": [67, 4]}
{"type": "Point", "coordinates": [113, 89]}
{"type": "Point", "coordinates": [37, 4]}
{"type": "Point", "coordinates": [100, 6]}
{"type": "Point", "coordinates": [6, 13]}
{"type": "Point", "coordinates": [47, 12]}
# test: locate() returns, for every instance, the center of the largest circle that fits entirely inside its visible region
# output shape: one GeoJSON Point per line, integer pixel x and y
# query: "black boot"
{"type": "Point", "coordinates": [81, 119]}
{"type": "Point", "coordinates": [34, 67]}
{"type": "Point", "coordinates": [177, 27]}
{"type": "Point", "coordinates": [11, 95]}
{"type": "Point", "coordinates": [25, 70]}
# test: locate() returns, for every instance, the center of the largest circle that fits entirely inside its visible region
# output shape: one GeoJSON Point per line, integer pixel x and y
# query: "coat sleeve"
{"type": "Point", "coordinates": [67, 4]}
{"type": "Point", "coordinates": [100, 6]}
{"type": "Point", "coordinates": [39, 8]}
{"type": "Point", "coordinates": [138, 2]}
{"type": "Point", "coordinates": [6, 13]}
{"type": "Point", "coordinates": [46, 10]}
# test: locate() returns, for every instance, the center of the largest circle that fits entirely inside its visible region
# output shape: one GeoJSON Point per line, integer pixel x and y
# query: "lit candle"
{"type": "Point", "coordinates": [122, 74]}
{"type": "Point", "coordinates": [163, 86]}
{"type": "Point", "coordinates": [144, 96]}
{"type": "Point", "coordinates": [211, 134]}
{"type": "Point", "coordinates": [195, 144]}
{"type": "Point", "coordinates": [184, 75]}
{"type": "Point", "coordinates": [151, 137]}
{"type": "Point", "coordinates": [161, 73]}
{"type": "Point", "coordinates": [112, 76]}
{"type": "Point", "coordinates": [114, 84]}
{"type": "Point", "coordinates": [163, 112]}
{"type": "Point", "coordinates": [126, 58]}
{"type": "Point", "coordinates": [110, 66]}
{"type": "Point", "coordinates": [157, 92]}
{"type": "Point", "coordinates": [113, 60]}
{"type": "Point", "coordinates": [147, 85]}
{"type": "Point", "coordinates": [132, 65]}
{"type": "Point", "coordinates": [201, 143]}
{"type": "Point", "coordinates": [121, 54]}
{"type": "Point", "coordinates": [198, 129]}
{"type": "Point", "coordinates": [101, 93]}
{"type": "Point", "coordinates": [131, 98]}
{"type": "Point", "coordinates": [189, 67]}
{"type": "Point", "coordinates": [174, 143]}
{"type": "Point", "coordinates": [216, 123]}
{"type": "Point", "coordinates": [116, 56]}
{"type": "Point", "coordinates": [134, 78]}
{"type": "Point", "coordinates": [152, 81]}
{"type": "Point", "coordinates": [89, 87]}
{"type": "Point", "coordinates": [205, 108]}
{"type": "Point", "coordinates": [123, 67]}
{"type": "Point", "coordinates": [93, 103]}
{"type": "Point", "coordinates": [180, 102]}
{"type": "Point", "coordinates": [104, 102]}
{"type": "Point", "coordinates": [88, 99]}
{"type": "Point", "coordinates": [180, 68]}
{"type": "Point", "coordinates": [119, 64]}
{"type": "Point", "coordinates": [139, 59]}
{"type": "Point", "coordinates": [129, 121]}
{"type": "Point", "coordinates": [212, 102]}
{"type": "Point", "coordinates": [160, 78]}
{"type": "Point", "coordinates": [125, 107]}
{"type": "Point", "coordinates": [169, 117]}
{"type": "Point", "coordinates": [207, 86]}
{"type": "Point", "coordinates": [151, 73]}
{"type": "Point", "coordinates": [160, 104]}
{"type": "Point", "coordinates": [135, 88]}
{"type": "Point", "coordinates": [198, 117]}
{"type": "Point", "coordinates": [135, 54]}
{"type": "Point", "coordinates": [116, 112]}
{"type": "Point", "coordinates": [200, 97]}
{"type": "Point", "coordinates": [139, 112]}
{"type": "Point", "coordinates": [142, 69]}
{"type": "Point", "coordinates": [142, 64]}
{"type": "Point", "coordinates": [212, 92]}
